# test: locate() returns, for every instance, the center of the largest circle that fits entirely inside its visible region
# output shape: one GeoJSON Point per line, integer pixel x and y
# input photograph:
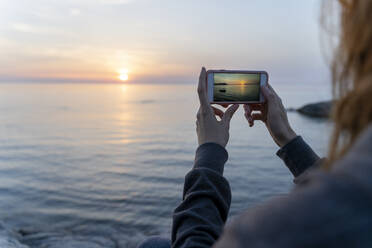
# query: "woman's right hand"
{"type": "Point", "coordinates": [273, 114]}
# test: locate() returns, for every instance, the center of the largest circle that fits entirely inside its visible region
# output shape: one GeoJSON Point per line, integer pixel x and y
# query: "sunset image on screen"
{"type": "Point", "coordinates": [230, 87]}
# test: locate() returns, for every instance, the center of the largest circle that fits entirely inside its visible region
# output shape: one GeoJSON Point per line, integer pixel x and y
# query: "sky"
{"type": "Point", "coordinates": [158, 41]}
{"type": "Point", "coordinates": [236, 78]}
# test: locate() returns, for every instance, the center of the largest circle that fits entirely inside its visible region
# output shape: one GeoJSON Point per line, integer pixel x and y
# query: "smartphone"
{"type": "Point", "coordinates": [233, 86]}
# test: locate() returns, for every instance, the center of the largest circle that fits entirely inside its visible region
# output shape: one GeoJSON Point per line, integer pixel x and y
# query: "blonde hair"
{"type": "Point", "coordinates": [352, 77]}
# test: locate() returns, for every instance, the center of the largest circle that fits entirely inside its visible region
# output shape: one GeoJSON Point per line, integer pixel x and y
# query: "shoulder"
{"type": "Point", "coordinates": [317, 214]}
{"type": "Point", "coordinates": [326, 210]}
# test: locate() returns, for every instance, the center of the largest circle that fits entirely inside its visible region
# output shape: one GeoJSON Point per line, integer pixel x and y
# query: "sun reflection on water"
{"type": "Point", "coordinates": [123, 88]}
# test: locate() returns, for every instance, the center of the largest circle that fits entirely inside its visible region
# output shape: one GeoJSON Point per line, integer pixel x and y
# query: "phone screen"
{"type": "Point", "coordinates": [236, 87]}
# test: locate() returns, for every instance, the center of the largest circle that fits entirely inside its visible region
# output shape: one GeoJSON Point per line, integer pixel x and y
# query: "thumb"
{"type": "Point", "coordinates": [229, 114]}
{"type": "Point", "coordinates": [268, 94]}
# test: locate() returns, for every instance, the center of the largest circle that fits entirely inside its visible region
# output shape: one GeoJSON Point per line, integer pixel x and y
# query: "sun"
{"type": "Point", "coordinates": [123, 77]}
{"type": "Point", "coordinates": [123, 74]}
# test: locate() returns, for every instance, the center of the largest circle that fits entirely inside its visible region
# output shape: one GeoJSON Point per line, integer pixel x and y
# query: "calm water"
{"type": "Point", "coordinates": [105, 164]}
{"type": "Point", "coordinates": [236, 93]}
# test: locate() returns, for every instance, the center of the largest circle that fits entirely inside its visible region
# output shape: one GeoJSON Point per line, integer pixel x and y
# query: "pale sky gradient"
{"type": "Point", "coordinates": [158, 40]}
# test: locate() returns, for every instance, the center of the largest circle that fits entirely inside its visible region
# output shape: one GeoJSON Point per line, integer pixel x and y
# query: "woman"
{"type": "Point", "coordinates": [331, 205]}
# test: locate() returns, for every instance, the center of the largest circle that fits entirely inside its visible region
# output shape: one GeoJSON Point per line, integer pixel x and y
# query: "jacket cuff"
{"type": "Point", "coordinates": [297, 156]}
{"type": "Point", "coordinates": [211, 156]}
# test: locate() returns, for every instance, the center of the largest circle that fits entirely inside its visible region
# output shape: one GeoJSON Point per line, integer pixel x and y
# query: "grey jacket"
{"type": "Point", "coordinates": [325, 209]}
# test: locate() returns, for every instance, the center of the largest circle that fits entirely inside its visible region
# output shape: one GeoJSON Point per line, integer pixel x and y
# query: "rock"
{"type": "Point", "coordinates": [318, 110]}
{"type": "Point", "coordinates": [79, 236]}
{"type": "Point", "coordinates": [87, 235]}
{"type": "Point", "coordinates": [9, 238]}
{"type": "Point", "coordinates": [66, 240]}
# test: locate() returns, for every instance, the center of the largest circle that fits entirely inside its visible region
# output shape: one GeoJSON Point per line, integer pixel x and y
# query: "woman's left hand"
{"type": "Point", "coordinates": [208, 128]}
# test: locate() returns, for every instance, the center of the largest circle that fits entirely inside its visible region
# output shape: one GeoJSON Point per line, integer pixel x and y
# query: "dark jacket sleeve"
{"type": "Point", "coordinates": [199, 220]}
{"type": "Point", "coordinates": [298, 156]}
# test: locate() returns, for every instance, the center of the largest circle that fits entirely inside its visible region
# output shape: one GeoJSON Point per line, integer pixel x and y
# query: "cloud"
{"type": "Point", "coordinates": [74, 12]}
{"type": "Point", "coordinates": [22, 27]}
{"type": "Point", "coordinates": [35, 29]}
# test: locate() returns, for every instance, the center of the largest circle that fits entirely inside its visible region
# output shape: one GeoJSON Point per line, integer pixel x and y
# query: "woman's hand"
{"type": "Point", "coordinates": [273, 114]}
{"type": "Point", "coordinates": [208, 128]}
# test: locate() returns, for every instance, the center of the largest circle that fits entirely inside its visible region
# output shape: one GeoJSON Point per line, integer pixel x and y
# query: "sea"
{"type": "Point", "coordinates": [236, 92]}
{"type": "Point", "coordinates": [103, 165]}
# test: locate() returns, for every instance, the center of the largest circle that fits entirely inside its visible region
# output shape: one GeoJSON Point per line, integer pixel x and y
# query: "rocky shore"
{"type": "Point", "coordinates": [9, 238]}
{"type": "Point", "coordinates": [100, 238]}
{"type": "Point", "coordinates": [315, 110]}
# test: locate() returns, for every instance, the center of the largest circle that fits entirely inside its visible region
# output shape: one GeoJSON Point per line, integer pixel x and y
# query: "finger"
{"type": "Point", "coordinates": [218, 112]}
{"type": "Point", "coordinates": [257, 107]}
{"type": "Point", "coordinates": [202, 88]}
{"type": "Point", "coordinates": [247, 108]}
{"type": "Point", "coordinates": [258, 117]}
{"type": "Point", "coordinates": [229, 114]}
{"type": "Point", "coordinates": [276, 96]}
{"type": "Point", "coordinates": [255, 117]}
{"type": "Point", "coordinates": [248, 114]}
{"type": "Point", "coordinates": [269, 94]}
{"type": "Point", "coordinates": [272, 89]}
{"type": "Point", "coordinates": [249, 119]}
